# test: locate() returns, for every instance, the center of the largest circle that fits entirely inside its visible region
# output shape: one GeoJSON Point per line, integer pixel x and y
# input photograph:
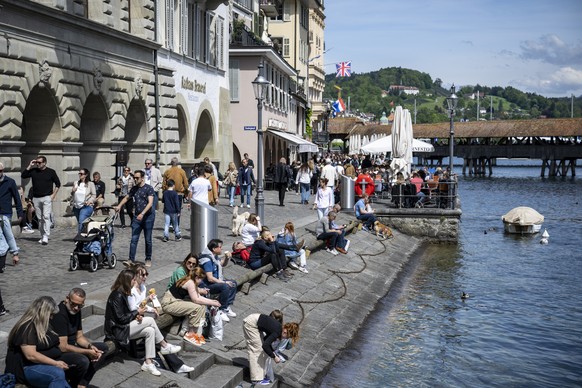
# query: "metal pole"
{"type": "Point", "coordinates": [259, 198]}
{"type": "Point", "coordinates": [451, 142]}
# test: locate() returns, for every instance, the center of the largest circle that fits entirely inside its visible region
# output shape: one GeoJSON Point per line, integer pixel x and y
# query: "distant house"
{"type": "Point", "coordinates": [410, 90]}
{"type": "Point", "coordinates": [473, 95]}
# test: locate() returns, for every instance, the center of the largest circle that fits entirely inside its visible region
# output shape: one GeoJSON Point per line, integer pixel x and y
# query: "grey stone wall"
{"type": "Point", "coordinates": [437, 226]}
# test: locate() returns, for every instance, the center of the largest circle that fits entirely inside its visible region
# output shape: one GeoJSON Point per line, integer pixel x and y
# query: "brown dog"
{"type": "Point", "coordinates": [382, 230]}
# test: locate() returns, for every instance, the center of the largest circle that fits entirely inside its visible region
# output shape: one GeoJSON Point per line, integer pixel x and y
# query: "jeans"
{"type": "Point", "coordinates": [245, 190]}
{"type": "Point", "coordinates": [304, 192]}
{"type": "Point", "coordinates": [8, 236]}
{"type": "Point", "coordinates": [368, 219]}
{"type": "Point", "coordinates": [173, 219]}
{"type": "Point", "coordinates": [44, 209]}
{"type": "Point", "coordinates": [147, 225]}
{"type": "Point", "coordinates": [42, 375]}
{"type": "Point", "coordinates": [84, 369]}
{"type": "Point", "coordinates": [231, 191]}
{"type": "Point", "coordinates": [331, 236]}
{"type": "Point", "coordinates": [226, 293]}
{"type": "Point", "coordinates": [81, 214]}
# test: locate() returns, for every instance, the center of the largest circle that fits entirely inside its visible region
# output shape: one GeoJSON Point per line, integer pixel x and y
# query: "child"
{"type": "Point", "coordinates": [171, 210]}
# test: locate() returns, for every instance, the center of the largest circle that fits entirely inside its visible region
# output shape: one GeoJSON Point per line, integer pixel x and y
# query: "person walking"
{"type": "Point", "coordinates": [329, 172]}
{"type": "Point", "coordinates": [8, 195]}
{"type": "Point", "coordinates": [199, 187]}
{"type": "Point", "coordinates": [323, 203]}
{"type": "Point", "coordinates": [153, 177]}
{"type": "Point", "coordinates": [124, 184]}
{"type": "Point", "coordinates": [84, 196]}
{"type": "Point", "coordinates": [304, 180]}
{"type": "Point", "coordinates": [281, 179]}
{"type": "Point", "coordinates": [45, 186]}
{"type": "Point", "coordinates": [143, 198]}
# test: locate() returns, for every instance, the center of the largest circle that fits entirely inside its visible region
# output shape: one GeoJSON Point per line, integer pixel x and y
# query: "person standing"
{"type": "Point", "coordinates": [153, 177]}
{"type": "Point", "coordinates": [249, 160]}
{"type": "Point", "coordinates": [329, 172]}
{"type": "Point", "coordinates": [83, 356]}
{"type": "Point", "coordinates": [245, 181]}
{"type": "Point", "coordinates": [143, 199]}
{"type": "Point", "coordinates": [323, 203]}
{"type": "Point", "coordinates": [304, 180]}
{"type": "Point", "coordinates": [230, 180]}
{"type": "Point", "coordinates": [99, 189]}
{"type": "Point", "coordinates": [84, 196]}
{"type": "Point", "coordinates": [171, 211]}
{"type": "Point", "coordinates": [178, 175]}
{"type": "Point", "coordinates": [3, 253]}
{"type": "Point", "coordinates": [45, 186]}
{"type": "Point", "coordinates": [200, 187]}
{"type": "Point", "coordinates": [212, 194]}
{"type": "Point", "coordinates": [281, 179]}
{"type": "Point", "coordinates": [260, 331]}
{"type": "Point", "coordinates": [8, 194]}
{"type": "Point", "coordinates": [124, 184]}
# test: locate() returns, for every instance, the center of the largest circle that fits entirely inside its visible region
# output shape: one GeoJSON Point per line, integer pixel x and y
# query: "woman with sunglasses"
{"type": "Point", "coordinates": [84, 195]}
{"type": "Point", "coordinates": [123, 324]}
{"type": "Point", "coordinates": [124, 184]}
{"type": "Point", "coordinates": [188, 264]}
{"type": "Point", "coordinates": [33, 348]}
{"type": "Point", "coordinates": [140, 297]}
{"type": "Point", "coordinates": [184, 299]}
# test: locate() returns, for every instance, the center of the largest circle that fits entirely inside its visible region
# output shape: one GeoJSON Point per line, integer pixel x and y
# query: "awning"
{"type": "Point", "coordinates": [302, 144]}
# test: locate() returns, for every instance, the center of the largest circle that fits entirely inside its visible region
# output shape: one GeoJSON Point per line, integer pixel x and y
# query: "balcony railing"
{"type": "Point", "coordinates": [243, 36]}
{"type": "Point", "coordinates": [269, 7]}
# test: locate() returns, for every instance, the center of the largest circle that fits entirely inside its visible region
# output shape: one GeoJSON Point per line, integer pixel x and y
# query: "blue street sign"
{"type": "Point", "coordinates": [250, 127]}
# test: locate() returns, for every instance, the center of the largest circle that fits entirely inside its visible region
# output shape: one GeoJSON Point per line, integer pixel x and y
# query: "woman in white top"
{"type": "Point", "coordinates": [304, 179]}
{"type": "Point", "coordinates": [252, 229]}
{"type": "Point", "coordinates": [323, 202]}
{"type": "Point", "coordinates": [84, 195]}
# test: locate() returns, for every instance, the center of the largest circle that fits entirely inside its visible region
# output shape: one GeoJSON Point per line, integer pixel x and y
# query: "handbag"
{"type": "Point", "coordinates": [237, 190]}
{"type": "Point", "coordinates": [216, 329]}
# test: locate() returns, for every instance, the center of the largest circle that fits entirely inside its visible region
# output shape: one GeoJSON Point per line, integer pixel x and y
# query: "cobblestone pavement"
{"type": "Point", "coordinates": [43, 270]}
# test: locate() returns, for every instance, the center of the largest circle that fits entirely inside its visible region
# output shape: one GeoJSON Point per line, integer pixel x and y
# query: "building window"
{"type": "Point", "coordinates": [233, 75]}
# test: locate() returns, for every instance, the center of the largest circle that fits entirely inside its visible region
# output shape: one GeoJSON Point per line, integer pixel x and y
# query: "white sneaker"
{"type": "Point", "coordinates": [347, 245]}
{"type": "Point", "coordinates": [150, 368]}
{"type": "Point", "coordinates": [170, 349]}
{"type": "Point", "coordinates": [224, 317]}
{"type": "Point", "coordinates": [332, 251]}
{"type": "Point", "coordinates": [185, 369]}
{"type": "Point", "coordinates": [27, 230]}
{"type": "Point", "coordinates": [293, 265]}
{"type": "Point", "coordinates": [230, 313]}
{"type": "Point", "coordinates": [249, 206]}
{"type": "Point", "coordinates": [303, 269]}
{"type": "Point", "coordinates": [43, 241]}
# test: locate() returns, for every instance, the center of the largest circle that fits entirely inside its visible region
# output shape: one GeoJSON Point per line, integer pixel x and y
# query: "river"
{"type": "Point", "coordinates": [522, 323]}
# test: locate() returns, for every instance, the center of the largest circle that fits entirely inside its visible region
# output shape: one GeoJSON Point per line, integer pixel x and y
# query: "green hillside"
{"type": "Point", "coordinates": [369, 93]}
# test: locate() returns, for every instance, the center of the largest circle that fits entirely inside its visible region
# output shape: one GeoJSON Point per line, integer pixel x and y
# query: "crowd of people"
{"type": "Point", "coordinates": [47, 345]}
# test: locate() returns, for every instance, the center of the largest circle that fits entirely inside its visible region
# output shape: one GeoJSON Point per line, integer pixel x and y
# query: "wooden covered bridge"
{"type": "Point", "coordinates": [556, 142]}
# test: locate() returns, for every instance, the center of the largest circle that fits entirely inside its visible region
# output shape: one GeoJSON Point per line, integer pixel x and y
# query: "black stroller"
{"type": "Point", "coordinates": [94, 244]}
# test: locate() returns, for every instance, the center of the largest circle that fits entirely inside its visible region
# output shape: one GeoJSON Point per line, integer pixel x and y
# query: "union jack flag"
{"type": "Point", "coordinates": [343, 69]}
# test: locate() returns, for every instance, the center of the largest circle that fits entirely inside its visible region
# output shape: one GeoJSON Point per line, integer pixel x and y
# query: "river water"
{"type": "Point", "coordinates": [522, 323]}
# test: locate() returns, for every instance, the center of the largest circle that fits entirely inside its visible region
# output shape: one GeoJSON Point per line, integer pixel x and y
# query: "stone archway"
{"type": "Point", "coordinates": [136, 135]}
{"type": "Point", "coordinates": [183, 134]}
{"type": "Point", "coordinates": [204, 142]}
{"type": "Point", "coordinates": [95, 153]}
{"type": "Point", "coordinates": [236, 155]}
{"type": "Point", "coordinates": [41, 128]}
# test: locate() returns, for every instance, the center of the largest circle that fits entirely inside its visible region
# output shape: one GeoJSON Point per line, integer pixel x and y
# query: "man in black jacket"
{"type": "Point", "coordinates": [281, 179]}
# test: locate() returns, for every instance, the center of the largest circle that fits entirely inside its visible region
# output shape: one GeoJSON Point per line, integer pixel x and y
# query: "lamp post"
{"type": "Point", "coordinates": [452, 105]}
{"type": "Point", "coordinates": [260, 88]}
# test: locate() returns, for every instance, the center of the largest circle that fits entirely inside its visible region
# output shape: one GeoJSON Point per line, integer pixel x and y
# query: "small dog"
{"type": "Point", "coordinates": [238, 221]}
{"type": "Point", "coordinates": [382, 230]}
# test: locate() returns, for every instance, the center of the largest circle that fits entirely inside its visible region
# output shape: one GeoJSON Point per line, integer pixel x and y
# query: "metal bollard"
{"type": "Point", "coordinates": [203, 225]}
{"type": "Point", "coordinates": [347, 193]}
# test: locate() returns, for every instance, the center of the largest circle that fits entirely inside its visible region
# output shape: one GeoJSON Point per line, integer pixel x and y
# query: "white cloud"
{"type": "Point", "coordinates": [562, 82]}
{"type": "Point", "coordinates": [551, 49]}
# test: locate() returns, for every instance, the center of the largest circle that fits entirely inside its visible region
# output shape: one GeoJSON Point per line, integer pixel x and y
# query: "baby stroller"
{"type": "Point", "coordinates": [93, 245]}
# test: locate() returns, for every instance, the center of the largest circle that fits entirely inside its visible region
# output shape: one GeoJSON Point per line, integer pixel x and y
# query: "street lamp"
{"type": "Point", "coordinates": [260, 88]}
{"type": "Point", "coordinates": [452, 105]}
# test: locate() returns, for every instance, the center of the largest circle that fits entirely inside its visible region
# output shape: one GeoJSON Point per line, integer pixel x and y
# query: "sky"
{"type": "Point", "coordinates": [534, 46]}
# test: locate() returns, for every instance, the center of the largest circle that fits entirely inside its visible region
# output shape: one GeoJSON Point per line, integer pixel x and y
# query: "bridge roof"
{"type": "Point", "coordinates": [470, 129]}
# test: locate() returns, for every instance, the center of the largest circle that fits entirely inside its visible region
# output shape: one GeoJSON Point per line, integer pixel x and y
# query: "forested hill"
{"type": "Point", "coordinates": [370, 93]}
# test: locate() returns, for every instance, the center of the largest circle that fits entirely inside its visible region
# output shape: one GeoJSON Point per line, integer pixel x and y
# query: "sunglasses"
{"type": "Point", "coordinates": [144, 274]}
{"type": "Point", "coordinates": [190, 262]}
{"type": "Point", "coordinates": [147, 163]}
{"type": "Point", "coordinates": [75, 305]}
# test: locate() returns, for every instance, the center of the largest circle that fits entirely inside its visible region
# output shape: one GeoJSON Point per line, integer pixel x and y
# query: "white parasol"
{"type": "Point", "coordinates": [401, 142]}
{"type": "Point", "coordinates": [384, 144]}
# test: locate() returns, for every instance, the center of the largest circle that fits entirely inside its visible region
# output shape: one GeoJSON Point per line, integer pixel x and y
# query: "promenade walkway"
{"type": "Point", "coordinates": [331, 302]}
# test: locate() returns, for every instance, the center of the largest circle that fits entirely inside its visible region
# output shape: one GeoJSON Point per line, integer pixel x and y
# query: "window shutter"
{"type": "Point", "coordinates": [184, 27]}
{"type": "Point", "coordinates": [233, 75]}
{"type": "Point", "coordinates": [287, 11]}
{"type": "Point", "coordinates": [286, 47]}
{"type": "Point", "coordinates": [170, 24]}
{"type": "Point", "coordinates": [220, 43]}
